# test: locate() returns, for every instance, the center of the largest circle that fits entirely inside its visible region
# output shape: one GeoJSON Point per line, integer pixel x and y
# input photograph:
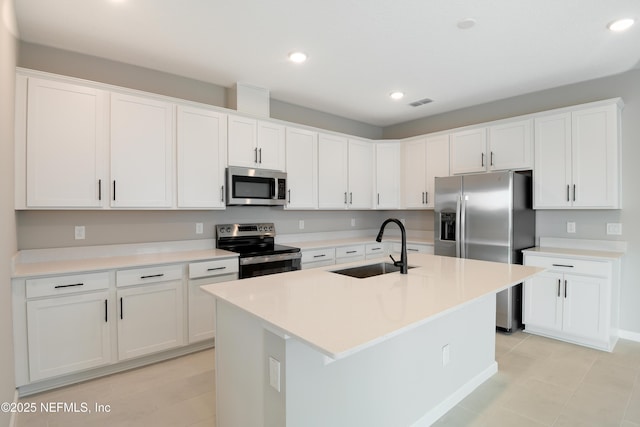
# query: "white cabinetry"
{"type": "Point", "coordinates": [469, 151]}
{"type": "Point", "coordinates": [510, 145]}
{"type": "Point", "coordinates": [575, 300]}
{"type": "Point", "coordinates": [66, 144]}
{"type": "Point", "coordinates": [68, 320]}
{"type": "Point", "coordinates": [302, 169]}
{"type": "Point", "coordinates": [142, 152]}
{"type": "Point", "coordinates": [423, 159]}
{"type": "Point", "coordinates": [150, 310]}
{"type": "Point", "coordinates": [345, 173]}
{"type": "Point", "coordinates": [502, 146]}
{"type": "Point", "coordinates": [318, 257]}
{"type": "Point", "coordinates": [202, 307]}
{"type": "Point", "coordinates": [350, 253]}
{"type": "Point", "coordinates": [256, 144]}
{"type": "Point", "coordinates": [201, 157]}
{"type": "Point", "coordinates": [387, 175]}
{"type": "Point", "coordinates": [577, 158]}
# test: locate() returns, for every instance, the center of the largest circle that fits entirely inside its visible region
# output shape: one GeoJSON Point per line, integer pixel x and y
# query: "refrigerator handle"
{"type": "Point", "coordinates": [458, 235]}
{"type": "Point", "coordinates": [462, 238]}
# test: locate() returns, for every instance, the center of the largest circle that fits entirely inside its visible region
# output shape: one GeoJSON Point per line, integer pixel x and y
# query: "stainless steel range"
{"type": "Point", "coordinates": [259, 254]}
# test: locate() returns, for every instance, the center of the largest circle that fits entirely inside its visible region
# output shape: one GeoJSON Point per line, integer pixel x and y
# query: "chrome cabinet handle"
{"type": "Point", "coordinates": [562, 265]}
{"type": "Point", "coordinates": [492, 158]}
{"type": "Point", "coordinates": [222, 193]}
{"type": "Point", "coordinates": [558, 288]}
{"type": "Point", "coordinates": [99, 189]}
{"type": "Point", "coordinates": [482, 160]}
{"type": "Point", "coordinates": [151, 276]}
{"type": "Point", "coordinates": [426, 197]}
{"type": "Point", "coordinates": [114, 190]}
{"type": "Point", "coordinates": [568, 193]}
{"type": "Point", "coordinates": [289, 193]}
{"type": "Point", "coordinates": [255, 155]}
{"type": "Point", "coordinates": [320, 256]}
{"type": "Point", "coordinates": [216, 268]}
{"type": "Point", "coordinates": [260, 155]}
{"type": "Point", "coordinates": [350, 198]}
{"type": "Point", "coordinates": [68, 286]}
{"type": "Point", "coordinates": [565, 288]}
{"type": "Point", "coordinates": [574, 192]}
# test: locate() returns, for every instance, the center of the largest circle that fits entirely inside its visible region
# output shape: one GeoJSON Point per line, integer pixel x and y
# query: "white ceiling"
{"type": "Point", "coordinates": [359, 50]}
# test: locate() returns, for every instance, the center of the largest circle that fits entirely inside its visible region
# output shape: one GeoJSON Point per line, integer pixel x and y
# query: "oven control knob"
{"type": "Point", "coordinates": [228, 230]}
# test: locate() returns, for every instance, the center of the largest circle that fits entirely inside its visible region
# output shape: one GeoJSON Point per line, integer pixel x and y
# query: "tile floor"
{"type": "Point", "coordinates": [541, 382]}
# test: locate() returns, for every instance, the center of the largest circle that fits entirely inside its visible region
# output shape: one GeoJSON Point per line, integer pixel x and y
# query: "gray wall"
{"type": "Point", "coordinates": [589, 224]}
{"type": "Point", "coordinates": [7, 215]}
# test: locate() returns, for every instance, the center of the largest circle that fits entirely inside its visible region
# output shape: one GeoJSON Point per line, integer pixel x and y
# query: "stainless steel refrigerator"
{"type": "Point", "coordinates": [490, 217]}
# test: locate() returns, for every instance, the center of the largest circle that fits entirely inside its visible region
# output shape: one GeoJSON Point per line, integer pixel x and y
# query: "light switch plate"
{"type": "Point", "coordinates": [199, 228]}
{"type": "Point", "coordinates": [79, 232]}
{"type": "Point", "coordinates": [614, 228]}
{"type": "Point", "coordinates": [571, 227]}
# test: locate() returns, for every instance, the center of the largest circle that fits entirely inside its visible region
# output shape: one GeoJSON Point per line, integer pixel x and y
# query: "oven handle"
{"type": "Point", "coordinates": [261, 259]}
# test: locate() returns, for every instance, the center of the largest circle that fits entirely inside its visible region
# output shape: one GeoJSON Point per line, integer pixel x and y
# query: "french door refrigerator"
{"type": "Point", "coordinates": [487, 216]}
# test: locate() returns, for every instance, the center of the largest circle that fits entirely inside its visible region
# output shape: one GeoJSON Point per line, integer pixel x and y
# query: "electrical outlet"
{"type": "Point", "coordinates": [301, 224]}
{"type": "Point", "coordinates": [353, 222]}
{"type": "Point", "coordinates": [571, 227]}
{"type": "Point", "coordinates": [614, 228]}
{"type": "Point", "coordinates": [79, 232]}
{"type": "Point", "coordinates": [274, 373]}
{"type": "Point", "coordinates": [199, 228]}
{"type": "Point", "coordinates": [446, 355]}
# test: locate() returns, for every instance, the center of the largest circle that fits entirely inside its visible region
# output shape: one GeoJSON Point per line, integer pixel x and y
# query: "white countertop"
{"type": "Point", "coordinates": [319, 244]}
{"type": "Point", "coordinates": [339, 315]}
{"type": "Point", "coordinates": [77, 265]}
{"type": "Point", "coordinates": [575, 253]}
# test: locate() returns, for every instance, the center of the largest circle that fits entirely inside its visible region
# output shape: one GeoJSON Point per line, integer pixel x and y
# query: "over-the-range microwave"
{"type": "Point", "coordinates": [256, 187]}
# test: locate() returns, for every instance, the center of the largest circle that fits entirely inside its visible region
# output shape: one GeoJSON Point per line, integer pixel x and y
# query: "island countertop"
{"type": "Point", "coordinates": [339, 315]}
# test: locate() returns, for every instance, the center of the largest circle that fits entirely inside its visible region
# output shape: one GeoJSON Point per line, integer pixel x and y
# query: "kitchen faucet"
{"type": "Point", "coordinates": [403, 253]}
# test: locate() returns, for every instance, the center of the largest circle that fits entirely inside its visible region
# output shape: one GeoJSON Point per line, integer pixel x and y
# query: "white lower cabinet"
{"type": "Point", "coordinates": [350, 253]}
{"type": "Point", "coordinates": [574, 300]}
{"type": "Point", "coordinates": [67, 324]}
{"type": "Point", "coordinates": [150, 310]}
{"type": "Point", "coordinates": [202, 305]}
{"type": "Point", "coordinates": [318, 257]}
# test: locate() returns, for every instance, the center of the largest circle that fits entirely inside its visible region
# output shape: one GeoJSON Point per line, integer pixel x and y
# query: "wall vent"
{"type": "Point", "coordinates": [421, 102]}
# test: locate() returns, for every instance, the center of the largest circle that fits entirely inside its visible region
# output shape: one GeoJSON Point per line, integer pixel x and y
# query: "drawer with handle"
{"type": "Point", "coordinates": [569, 265]}
{"type": "Point", "coordinates": [213, 267]}
{"type": "Point", "coordinates": [139, 276]}
{"type": "Point", "coordinates": [316, 255]}
{"type": "Point", "coordinates": [349, 251]}
{"type": "Point", "coordinates": [63, 285]}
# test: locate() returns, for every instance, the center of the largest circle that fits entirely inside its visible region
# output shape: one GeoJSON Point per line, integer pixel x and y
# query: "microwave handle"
{"type": "Point", "coordinates": [273, 187]}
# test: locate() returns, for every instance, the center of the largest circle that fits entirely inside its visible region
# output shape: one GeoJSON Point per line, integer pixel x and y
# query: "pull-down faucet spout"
{"type": "Point", "coordinates": [403, 254]}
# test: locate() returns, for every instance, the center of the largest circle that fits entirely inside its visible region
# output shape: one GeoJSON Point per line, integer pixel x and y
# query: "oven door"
{"type": "Point", "coordinates": [269, 264]}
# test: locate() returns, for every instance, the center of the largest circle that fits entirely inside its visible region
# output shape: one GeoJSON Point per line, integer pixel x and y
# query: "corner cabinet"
{"type": "Point", "coordinates": [575, 300]}
{"type": "Point", "coordinates": [62, 132]}
{"type": "Point", "coordinates": [577, 158]}
{"type": "Point", "coordinates": [142, 152]}
{"type": "Point", "coordinates": [201, 158]}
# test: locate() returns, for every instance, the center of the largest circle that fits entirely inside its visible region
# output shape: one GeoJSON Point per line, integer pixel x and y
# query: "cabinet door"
{"type": "Point", "coordinates": [361, 177]}
{"type": "Point", "coordinates": [142, 144]}
{"type": "Point", "coordinates": [414, 172]}
{"type": "Point", "coordinates": [585, 306]}
{"type": "Point", "coordinates": [202, 308]}
{"type": "Point", "coordinates": [302, 169]}
{"type": "Point", "coordinates": [332, 171]}
{"type": "Point", "coordinates": [543, 301]}
{"type": "Point", "coordinates": [68, 334]}
{"type": "Point", "coordinates": [271, 146]}
{"type": "Point", "coordinates": [150, 319]}
{"type": "Point", "coordinates": [437, 165]}
{"type": "Point", "coordinates": [468, 151]}
{"type": "Point", "coordinates": [552, 163]}
{"type": "Point", "coordinates": [242, 143]}
{"type": "Point", "coordinates": [66, 145]}
{"type": "Point", "coordinates": [510, 146]}
{"type": "Point", "coordinates": [595, 158]}
{"type": "Point", "coordinates": [387, 175]}
{"type": "Point", "coordinates": [201, 148]}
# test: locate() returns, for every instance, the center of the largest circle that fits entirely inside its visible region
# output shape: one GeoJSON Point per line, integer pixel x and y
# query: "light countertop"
{"type": "Point", "coordinates": [575, 253]}
{"type": "Point", "coordinates": [340, 315]}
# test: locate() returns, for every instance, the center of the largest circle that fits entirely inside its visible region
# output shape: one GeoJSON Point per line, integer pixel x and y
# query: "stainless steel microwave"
{"type": "Point", "coordinates": [256, 187]}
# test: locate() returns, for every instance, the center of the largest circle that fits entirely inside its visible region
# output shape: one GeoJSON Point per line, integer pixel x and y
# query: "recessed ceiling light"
{"type": "Point", "coordinates": [621, 24]}
{"type": "Point", "coordinates": [395, 95]}
{"type": "Point", "coordinates": [466, 23]}
{"type": "Point", "coordinates": [297, 57]}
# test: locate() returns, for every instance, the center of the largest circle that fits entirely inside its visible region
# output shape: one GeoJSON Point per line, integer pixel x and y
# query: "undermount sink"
{"type": "Point", "coordinates": [364, 271]}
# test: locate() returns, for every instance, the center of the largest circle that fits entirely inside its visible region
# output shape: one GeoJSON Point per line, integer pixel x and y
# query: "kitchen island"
{"type": "Point", "coordinates": [316, 348]}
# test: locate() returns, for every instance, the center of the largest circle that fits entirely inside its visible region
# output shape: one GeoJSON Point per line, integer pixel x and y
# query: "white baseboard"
{"type": "Point", "coordinates": [628, 335]}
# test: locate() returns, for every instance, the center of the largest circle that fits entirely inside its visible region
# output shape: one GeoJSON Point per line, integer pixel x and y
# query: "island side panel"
{"type": "Point", "coordinates": [239, 367]}
{"type": "Point", "coordinates": [399, 382]}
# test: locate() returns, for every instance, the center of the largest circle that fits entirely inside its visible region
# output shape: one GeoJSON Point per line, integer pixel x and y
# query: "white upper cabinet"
{"type": "Point", "coordinates": [423, 159]}
{"type": "Point", "coordinates": [66, 145]}
{"type": "Point", "coordinates": [333, 171]}
{"type": "Point", "coordinates": [510, 145]}
{"type": "Point", "coordinates": [361, 175]}
{"type": "Point", "coordinates": [201, 149]}
{"type": "Point", "coordinates": [302, 169]}
{"type": "Point", "coordinates": [577, 159]}
{"type": "Point", "coordinates": [256, 144]}
{"type": "Point", "coordinates": [142, 146]}
{"type": "Point", "coordinates": [503, 146]}
{"type": "Point", "coordinates": [469, 151]}
{"type": "Point", "coordinates": [387, 175]}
